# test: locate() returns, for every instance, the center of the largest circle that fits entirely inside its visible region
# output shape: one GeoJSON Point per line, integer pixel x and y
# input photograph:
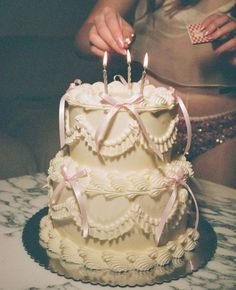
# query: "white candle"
{"type": "Point", "coordinates": [105, 72]}
{"type": "Point", "coordinates": [145, 65]}
{"type": "Point", "coordinates": [129, 69]}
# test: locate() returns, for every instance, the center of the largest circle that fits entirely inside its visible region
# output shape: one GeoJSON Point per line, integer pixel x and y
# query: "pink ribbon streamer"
{"type": "Point", "coordinates": [62, 120]}
{"type": "Point", "coordinates": [127, 105]}
{"type": "Point", "coordinates": [187, 122]}
{"type": "Point", "coordinates": [73, 180]}
{"type": "Point", "coordinates": [121, 79]}
{"type": "Point", "coordinates": [174, 183]}
{"type": "Point", "coordinates": [62, 112]}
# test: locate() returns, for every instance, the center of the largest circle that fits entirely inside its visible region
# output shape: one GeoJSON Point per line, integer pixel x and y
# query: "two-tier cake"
{"type": "Point", "coordinates": [118, 199]}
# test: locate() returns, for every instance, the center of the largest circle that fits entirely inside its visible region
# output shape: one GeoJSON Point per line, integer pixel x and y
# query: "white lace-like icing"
{"type": "Point", "coordinates": [69, 252]}
{"type": "Point", "coordinates": [134, 216]}
{"type": "Point", "coordinates": [122, 143]}
{"type": "Point", "coordinates": [114, 184]}
{"type": "Point", "coordinates": [87, 95]}
{"type": "Point", "coordinates": [165, 142]}
{"type": "Point", "coordinates": [115, 260]}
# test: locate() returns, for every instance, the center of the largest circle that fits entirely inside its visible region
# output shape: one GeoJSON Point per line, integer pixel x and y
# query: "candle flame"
{"type": "Point", "coordinates": [128, 57]}
{"type": "Point", "coordinates": [105, 59]}
{"type": "Point", "coordinates": [145, 62]}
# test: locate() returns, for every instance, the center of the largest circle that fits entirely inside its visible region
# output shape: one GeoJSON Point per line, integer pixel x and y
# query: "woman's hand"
{"type": "Point", "coordinates": [109, 32]}
{"type": "Point", "coordinates": [221, 29]}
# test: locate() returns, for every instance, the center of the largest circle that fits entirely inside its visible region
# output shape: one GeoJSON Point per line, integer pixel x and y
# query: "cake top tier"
{"type": "Point", "coordinates": [90, 95]}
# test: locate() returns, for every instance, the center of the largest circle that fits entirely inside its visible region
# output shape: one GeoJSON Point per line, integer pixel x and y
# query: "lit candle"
{"type": "Point", "coordinates": [145, 65]}
{"type": "Point", "coordinates": [129, 68]}
{"type": "Point", "coordinates": [105, 72]}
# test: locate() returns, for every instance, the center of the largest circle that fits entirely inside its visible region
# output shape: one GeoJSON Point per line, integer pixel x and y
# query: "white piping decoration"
{"type": "Point", "coordinates": [114, 260]}
{"type": "Point", "coordinates": [134, 216]}
{"type": "Point", "coordinates": [131, 136]}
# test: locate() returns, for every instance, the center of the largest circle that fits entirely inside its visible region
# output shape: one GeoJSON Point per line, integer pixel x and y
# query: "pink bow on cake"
{"type": "Point", "coordinates": [128, 105]}
{"type": "Point", "coordinates": [73, 181]}
{"type": "Point", "coordinates": [174, 182]}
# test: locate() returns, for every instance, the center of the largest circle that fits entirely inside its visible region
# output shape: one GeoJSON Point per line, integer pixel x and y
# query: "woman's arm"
{"type": "Point", "coordinates": [105, 28]}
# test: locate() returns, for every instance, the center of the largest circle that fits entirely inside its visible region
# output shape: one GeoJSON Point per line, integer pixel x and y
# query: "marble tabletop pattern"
{"type": "Point", "coordinates": [21, 197]}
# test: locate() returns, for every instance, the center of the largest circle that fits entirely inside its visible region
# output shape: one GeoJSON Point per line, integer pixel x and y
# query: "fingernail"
{"type": "Point", "coordinates": [120, 42]}
{"type": "Point", "coordinates": [202, 28]}
{"type": "Point", "coordinates": [211, 38]}
{"type": "Point", "coordinates": [206, 33]}
{"type": "Point", "coordinates": [123, 51]}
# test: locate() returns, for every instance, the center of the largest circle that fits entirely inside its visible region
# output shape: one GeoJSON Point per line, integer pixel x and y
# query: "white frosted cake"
{"type": "Point", "coordinates": [117, 198]}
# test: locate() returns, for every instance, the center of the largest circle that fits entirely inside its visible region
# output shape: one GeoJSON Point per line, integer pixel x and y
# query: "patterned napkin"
{"type": "Point", "coordinates": [196, 35]}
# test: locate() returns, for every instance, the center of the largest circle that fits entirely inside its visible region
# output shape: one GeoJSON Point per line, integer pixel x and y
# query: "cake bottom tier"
{"type": "Point", "coordinates": [98, 255]}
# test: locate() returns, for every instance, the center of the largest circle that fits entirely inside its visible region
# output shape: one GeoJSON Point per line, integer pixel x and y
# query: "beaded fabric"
{"type": "Point", "coordinates": [207, 132]}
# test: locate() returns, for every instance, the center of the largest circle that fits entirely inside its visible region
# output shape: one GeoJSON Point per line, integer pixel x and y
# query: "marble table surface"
{"type": "Point", "coordinates": [21, 197]}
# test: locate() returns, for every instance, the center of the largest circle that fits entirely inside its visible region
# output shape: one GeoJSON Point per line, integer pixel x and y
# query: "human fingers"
{"type": "Point", "coordinates": [228, 46]}
{"type": "Point", "coordinates": [128, 33]}
{"type": "Point", "coordinates": [212, 23]}
{"type": "Point", "coordinates": [105, 33]}
{"type": "Point", "coordinates": [96, 41]}
{"type": "Point", "coordinates": [120, 29]}
{"type": "Point", "coordinates": [96, 51]}
{"type": "Point", "coordinates": [233, 59]}
{"type": "Point", "coordinates": [227, 30]}
{"type": "Point", "coordinates": [114, 23]}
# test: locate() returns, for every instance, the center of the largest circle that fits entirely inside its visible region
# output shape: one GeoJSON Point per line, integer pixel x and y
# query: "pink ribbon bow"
{"type": "Point", "coordinates": [128, 105]}
{"type": "Point", "coordinates": [73, 180]}
{"type": "Point", "coordinates": [174, 182]}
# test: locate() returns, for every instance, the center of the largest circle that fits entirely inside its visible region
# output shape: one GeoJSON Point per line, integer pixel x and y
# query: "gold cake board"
{"type": "Point", "coordinates": [178, 268]}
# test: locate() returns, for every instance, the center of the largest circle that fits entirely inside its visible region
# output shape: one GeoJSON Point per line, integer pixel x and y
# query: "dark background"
{"type": "Point", "coordinates": [37, 57]}
{"type": "Point", "coordinates": [37, 64]}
